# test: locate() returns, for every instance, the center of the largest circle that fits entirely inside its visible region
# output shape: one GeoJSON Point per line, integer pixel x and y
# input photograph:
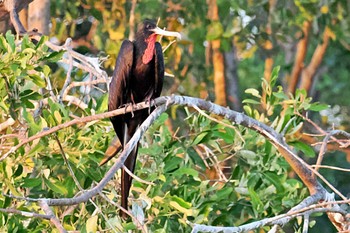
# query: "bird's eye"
{"type": "Point", "coordinates": [148, 26]}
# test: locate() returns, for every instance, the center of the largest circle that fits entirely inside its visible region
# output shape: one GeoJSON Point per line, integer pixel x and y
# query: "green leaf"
{"type": "Point", "coordinates": [253, 92]}
{"type": "Point", "coordinates": [250, 101]}
{"type": "Point", "coordinates": [30, 95]}
{"type": "Point", "coordinates": [40, 82]}
{"type": "Point", "coordinates": [223, 135]}
{"type": "Point", "coordinates": [223, 193]}
{"type": "Point", "coordinates": [318, 107]}
{"type": "Point", "coordinates": [56, 187]}
{"type": "Point", "coordinates": [280, 95]}
{"type": "Point", "coordinates": [181, 202]}
{"type": "Point", "coordinates": [185, 171]}
{"type": "Point", "coordinates": [275, 180]}
{"type": "Point", "coordinates": [306, 149]}
{"type": "Point", "coordinates": [11, 40]}
{"type": "Point", "coordinates": [54, 56]}
{"type": "Point", "coordinates": [202, 137]}
{"type": "Point", "coordinates": [32, 182]}
{"type": "Point", "coordinates": [3, 44]}
{"type": "Point", "coordinates": [274, 75]}
{"type": "Point", "coordinates": [215, 30]}
{"type": "Point", "coordinates": [41, 41]}
{"type": "Point", "coordinates": [256, 201]}
{"type": "Point", "coordinates": [195, 157]}
{"type": "Point", "coordinates": [180, 208]}
{"type": "Point", "coordinates": [18, 171]}
{"type": "Point", "coordinates": [172, 163]}
{"type": "Point", "coordinates": [46, 70]}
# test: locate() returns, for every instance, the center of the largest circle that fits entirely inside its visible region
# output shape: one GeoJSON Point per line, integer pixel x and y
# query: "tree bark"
{"type": "Point", "coordinates": [218, 59]}
{"type": "Point", "coordinates": [268, 46]}
{"type": "Point", "coordinates": [232, 83]}
{"type": "Point", "coordinates": [299, 59]}
{"type": "Point", "coordinates": [19, 5]}
{"type": "Point", "coordinates": [39, 16]}
{"type": "Point", "coordinates": [308, 74]}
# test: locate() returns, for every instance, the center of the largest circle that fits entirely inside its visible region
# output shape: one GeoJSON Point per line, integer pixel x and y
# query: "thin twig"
{"type": "Point", "coordinates": [219, 122]}
{"type": "Point", "coordinates": [25, 213]}
{"type": "Point", "coordinates": [86, 83]}
{"type": "Point", "coordinates": [67, 163]}
{"type": "Point", "coordinates": [332, 167]}
{"type": "Point", "coordinates": [67, 46]}
{"type": "Point", "coordinates": [136, 177]}
{"type": "Point", "coordinates": [141, 226]}
{"type": "Point", "coordinates": [76, 180]}
{"type": "Point", "coordinates": [324, 145]}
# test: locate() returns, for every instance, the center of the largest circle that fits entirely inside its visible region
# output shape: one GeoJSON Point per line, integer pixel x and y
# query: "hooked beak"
{"type": "Point", "coordinates": [162, 32]}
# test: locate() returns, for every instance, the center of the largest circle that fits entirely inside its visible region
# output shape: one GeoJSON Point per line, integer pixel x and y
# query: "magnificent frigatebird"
{"type": "Point", "coordinates": [138, 76]}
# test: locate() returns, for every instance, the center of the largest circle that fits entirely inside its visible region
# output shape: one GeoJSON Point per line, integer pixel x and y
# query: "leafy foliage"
{"type": "Point", "coordinates": [185, 169]}
{"type": "Point", "coordinates": [205, 172]}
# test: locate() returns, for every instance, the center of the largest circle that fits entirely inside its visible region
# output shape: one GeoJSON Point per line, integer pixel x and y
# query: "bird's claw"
{"type": "Point", "coordinates": [149, 100]}
{"type": "Point", "coordinates": [126, 106]}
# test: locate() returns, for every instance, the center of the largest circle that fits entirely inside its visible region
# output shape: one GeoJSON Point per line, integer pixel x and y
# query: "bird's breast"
{"type": "Point", "coordinates": [143, 81]}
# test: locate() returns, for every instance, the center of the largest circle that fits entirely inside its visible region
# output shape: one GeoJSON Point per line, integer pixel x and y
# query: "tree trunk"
{"type": "Point", "coordinates": [232, 84]}
{"type": "Point", "coordinates": [299, 59]}
{"type": "Point", "coordinates": [218, 59]}
{"type": "Point", "coordinates": [308, 74]}
{"type": "Point", "coordinates": [39, 16]}
{"type": "Point", "coordinates": [268, 46]}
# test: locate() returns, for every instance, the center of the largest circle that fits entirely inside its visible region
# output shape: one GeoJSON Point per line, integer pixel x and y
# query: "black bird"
{"type": "Point", "coordinates": [138, 76]}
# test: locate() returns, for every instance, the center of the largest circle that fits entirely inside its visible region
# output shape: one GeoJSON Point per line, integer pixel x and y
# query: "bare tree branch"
{"type": "Point", "coordinates": [277, 220]}
{"type": "Point", "coordinates": [25, 213]}
{"type": "Point", "coordinates": [53, 219]}
{"type": "Point", "coordinates": [324, 145]}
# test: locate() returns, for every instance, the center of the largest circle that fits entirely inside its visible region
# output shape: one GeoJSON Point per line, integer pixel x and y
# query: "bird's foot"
{"type": "Point", "coordinates": [125, 106]}
{"type": "Point", "coordinates": [149, 100]}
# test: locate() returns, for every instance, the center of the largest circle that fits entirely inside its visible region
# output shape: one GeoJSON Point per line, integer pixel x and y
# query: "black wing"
{"type": "Point", "coordinates": [119, 86]}
{"type": "Point", "coordinates": [159, 70]}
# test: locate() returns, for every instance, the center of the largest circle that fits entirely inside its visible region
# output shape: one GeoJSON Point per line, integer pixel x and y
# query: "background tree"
{"type": "Point", "coordinates": [193, 168]}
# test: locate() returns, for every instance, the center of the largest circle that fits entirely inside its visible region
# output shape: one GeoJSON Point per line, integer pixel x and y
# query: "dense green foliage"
{"type": "Point", "coordinates": [207, 172]}
{"type": "Point", "coordinates": [257, 184]}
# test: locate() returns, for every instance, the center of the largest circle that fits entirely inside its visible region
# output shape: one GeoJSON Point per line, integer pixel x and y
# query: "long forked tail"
{"type": "Point", "coordinates": [126, 179]}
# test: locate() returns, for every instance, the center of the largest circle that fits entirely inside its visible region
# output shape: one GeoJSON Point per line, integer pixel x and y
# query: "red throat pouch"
{"type": "Point", "coordinates": [149, 52]}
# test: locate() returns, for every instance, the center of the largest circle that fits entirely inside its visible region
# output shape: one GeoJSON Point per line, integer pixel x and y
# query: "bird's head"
{"type": "Point", "coordinates": [147, 31]}
{"type": "Point", "coordinates": [149, 27]}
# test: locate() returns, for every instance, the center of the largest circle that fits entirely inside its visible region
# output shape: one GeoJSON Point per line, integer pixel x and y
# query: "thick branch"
{"type": "Point", "coordinates": [11, 7]}
{"type": "Point", "coordinates": [18, 5]}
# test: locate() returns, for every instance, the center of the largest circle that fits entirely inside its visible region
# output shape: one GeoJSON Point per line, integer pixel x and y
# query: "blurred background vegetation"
{"type": "Point", "coordinates": [252, 56]}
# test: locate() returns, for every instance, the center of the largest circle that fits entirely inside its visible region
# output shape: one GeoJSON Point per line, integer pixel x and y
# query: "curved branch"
{"type": "Point", "coordinates": [277, 220]}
